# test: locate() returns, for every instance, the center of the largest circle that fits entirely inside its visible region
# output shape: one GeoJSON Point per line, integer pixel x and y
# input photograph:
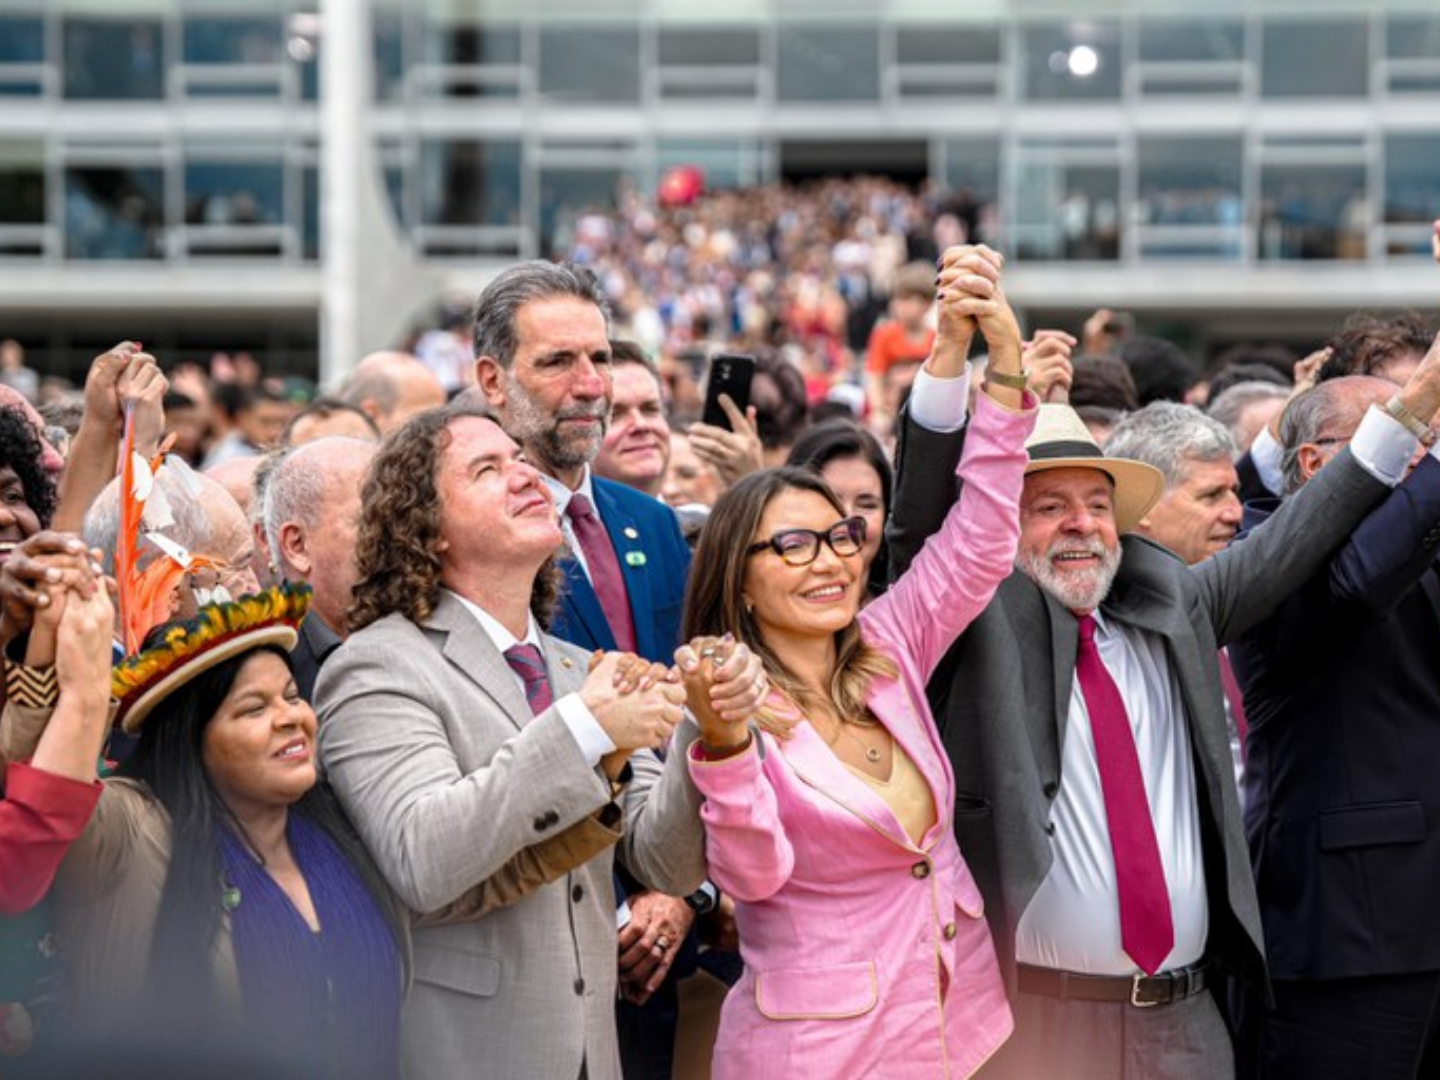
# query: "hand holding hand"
{"type": "Point", "coordinates": [642, 717]}
{"type": "Point", "coordinates": [45, 561]}
{"type": "Point", "coordinates": [1046, 359]}
{"type": "Point", "coordinates": [724, 684]}
{"type": "Point", "coordinates": [142, 386]}
{"type": "Point", "coordinates": [83, 645]}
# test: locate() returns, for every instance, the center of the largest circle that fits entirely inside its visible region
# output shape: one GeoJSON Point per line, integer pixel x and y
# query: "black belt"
{"type": "Point", "coordinates": [1142, 991]}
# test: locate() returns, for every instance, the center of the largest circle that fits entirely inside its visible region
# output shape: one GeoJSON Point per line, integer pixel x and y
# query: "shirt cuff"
{"type": "Point", "coordinates": [594, 743]}
{"type": "Point", "coordinates": [1267, 455]}
{"type": "Point", "coordinates": [940, 404]}
{"type": "Point", "coordinates": [1383, 446]}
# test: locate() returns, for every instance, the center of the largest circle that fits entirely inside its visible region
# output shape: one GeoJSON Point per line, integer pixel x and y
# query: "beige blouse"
{"type": "Point", "coordinates": [905, 792]}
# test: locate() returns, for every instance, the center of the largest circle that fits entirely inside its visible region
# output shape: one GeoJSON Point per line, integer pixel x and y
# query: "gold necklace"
{"type": "Point", "coordinates": [872, 753]}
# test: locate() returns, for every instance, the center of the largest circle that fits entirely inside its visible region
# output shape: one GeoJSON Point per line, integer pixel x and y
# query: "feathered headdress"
{"type": "Point", "coordinates": [218, 632]}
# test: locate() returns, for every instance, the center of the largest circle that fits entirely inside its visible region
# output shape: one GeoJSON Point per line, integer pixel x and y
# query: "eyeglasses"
{"type": "Point", "coordinates": [800, 547]}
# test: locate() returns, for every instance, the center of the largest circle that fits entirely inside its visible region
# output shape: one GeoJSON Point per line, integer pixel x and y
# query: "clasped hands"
{"type": "Point", "coordinates": [639, 703]}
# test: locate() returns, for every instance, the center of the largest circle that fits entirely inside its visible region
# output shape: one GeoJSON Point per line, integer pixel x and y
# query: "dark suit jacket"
{"type": "Point", "coordinates": [316, 642]}
{"type": "Point", "coordinates": [1342, 690]}
{"type": "Point", "coordinates": [655, 560]}
{"type": "Point", "coordinates": [1002, 693]}
{"type": "Point", "coordinates": [1251, 486]}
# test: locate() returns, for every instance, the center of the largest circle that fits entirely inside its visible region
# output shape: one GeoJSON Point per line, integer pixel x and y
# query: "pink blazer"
{"type": "Point", "coordinates": [865, 953]}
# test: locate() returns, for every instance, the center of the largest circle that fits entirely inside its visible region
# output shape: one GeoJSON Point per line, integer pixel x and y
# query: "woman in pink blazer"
{"type": "Point", "coordinates": [866, 951]}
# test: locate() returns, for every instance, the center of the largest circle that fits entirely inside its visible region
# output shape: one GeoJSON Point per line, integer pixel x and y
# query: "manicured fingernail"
{"type": "Point", "coordinates": [42, 601]}
{"type": "Point", "coordinates": [52, 574]}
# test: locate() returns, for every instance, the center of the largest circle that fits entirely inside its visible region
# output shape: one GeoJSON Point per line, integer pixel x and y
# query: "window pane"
{"type": "Point", "coordinates": [1313, 212]}
{"type": "Point", "coordinates": [1192, 39]}
{"type": "Point", "coordinates": [725, 162]}
{"type": "Point", "coordinates": [1190, 203]}
{"type": "Point", "coordinates": [821, 64]}
{"type": "Point", "coordinates": [947, 45]}
{"type": "Point", "coordinates": [234, 193]}
{"type": "Point", "coordinates": [706, 47]}
{"type": "Point", "coordinates": [214, 39]}
{"type": "Point", "coordinates": [1412, 178]}
{"type": "Point", "coordinates": [1413, 37]}
{"type": "Point", "coordinates": [22, 39]}
{"type": "Point", "coordinates": [590, 64]}
{"type": "Point", "coordinates": [1068, 201]}
{"type": "Point", "coordinates": [122, 60]}
{"type": "Point", "coordinates": [566, 195]}
{"type": "Point", "coordinates": [1077, 61]}
{"type": "Point", "coordinates": [22, 194]}
{"type": "Point", "coordinates": [448, 40]}
{"type": "Point", "coordinates": [114, 213]}
{"type": "Point", "coordinates": [467, 182]}
{"type": "Point", "coordinates": [1315, 59]}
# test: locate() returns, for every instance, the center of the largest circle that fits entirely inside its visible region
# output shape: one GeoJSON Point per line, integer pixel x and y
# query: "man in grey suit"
{"type": "Point", "coordinates": [458, 734]}
{"type": "Point", "coordinates": [1109, 926]}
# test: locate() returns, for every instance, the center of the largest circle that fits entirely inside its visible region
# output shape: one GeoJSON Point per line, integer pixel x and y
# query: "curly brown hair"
{"type": "Point", "coordinates": [398, 567]}
{"type": "Point", "coordinates": [1370, 342]}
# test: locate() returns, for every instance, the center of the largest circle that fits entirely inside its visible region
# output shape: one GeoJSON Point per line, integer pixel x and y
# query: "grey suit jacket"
{"type": "Point", "coordinates": [1002, 693]}
{"type": "Point", "coordinates": [428, 741]}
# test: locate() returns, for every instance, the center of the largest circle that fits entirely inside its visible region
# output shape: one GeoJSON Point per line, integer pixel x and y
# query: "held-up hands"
{"type": "Point", "coordinates": [1046, 361]}
{"type": "Point", "coordinates": [725, 683]}
{"type": "Point", "coordinates": [39, 567]}
{"type": "Point", "coordinates": [638, 703]}
{"type": "Point", "coordinates": [120, 377]}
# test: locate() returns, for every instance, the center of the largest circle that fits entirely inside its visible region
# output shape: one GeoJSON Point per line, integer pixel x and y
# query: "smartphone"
{"type": "Point", "coordinates": [730, 373]}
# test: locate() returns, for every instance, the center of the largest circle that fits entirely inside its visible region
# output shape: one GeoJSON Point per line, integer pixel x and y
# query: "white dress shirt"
{"type": "Point", "coordinates": [592, 739]}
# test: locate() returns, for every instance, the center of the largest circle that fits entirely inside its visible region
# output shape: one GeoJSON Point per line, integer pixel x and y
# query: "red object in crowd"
{"type": "Point", "coordinates": [681, 185]}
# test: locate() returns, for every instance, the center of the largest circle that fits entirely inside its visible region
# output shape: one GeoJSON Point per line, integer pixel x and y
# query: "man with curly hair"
{"type": "Point", "coordinates": [459, 735]}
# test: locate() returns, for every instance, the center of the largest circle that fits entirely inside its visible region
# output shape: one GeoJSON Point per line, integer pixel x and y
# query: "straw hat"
{"type": "Point", "coordinates": [217, 633]}
{"type": "Point", "coordinates": [1062, 441]}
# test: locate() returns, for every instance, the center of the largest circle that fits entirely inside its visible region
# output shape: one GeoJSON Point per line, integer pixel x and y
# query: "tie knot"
{"type": "Point", "coordinates": [1087, 629]}
{"type": "Point", "coordinates": [579, 507]}
{"type": "Point", "coordinates": [527, 661]}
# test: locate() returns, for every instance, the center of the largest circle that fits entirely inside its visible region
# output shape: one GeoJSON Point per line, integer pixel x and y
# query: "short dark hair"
{"type": "Point", "coordinates": [1367, 342]}
{"type": "Point", "coordinates": [838, 439]}
{"type": "Point", "coordinates": [1104, 382]}
{"type": "Point", "coordinates": [1161, 369]}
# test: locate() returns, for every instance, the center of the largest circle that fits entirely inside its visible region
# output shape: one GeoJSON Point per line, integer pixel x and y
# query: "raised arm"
{"type": "Point", "coordinates": [952, 579]}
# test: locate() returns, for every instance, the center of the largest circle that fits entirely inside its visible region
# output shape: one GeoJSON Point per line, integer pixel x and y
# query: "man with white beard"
{"type": "Point", "coordinates": [1083, 715]}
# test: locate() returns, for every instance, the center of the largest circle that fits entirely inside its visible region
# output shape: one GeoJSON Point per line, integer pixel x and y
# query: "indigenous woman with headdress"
{"type": "Point", "coordinates": [218, 893]}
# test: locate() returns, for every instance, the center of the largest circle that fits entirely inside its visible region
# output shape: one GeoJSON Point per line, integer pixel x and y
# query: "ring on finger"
{"type": "Point", "coordinates": [662, 943]}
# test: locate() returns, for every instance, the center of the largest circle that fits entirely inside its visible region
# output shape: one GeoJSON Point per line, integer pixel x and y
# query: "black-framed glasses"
{"type": "Point", "coordinates": [800, 547]}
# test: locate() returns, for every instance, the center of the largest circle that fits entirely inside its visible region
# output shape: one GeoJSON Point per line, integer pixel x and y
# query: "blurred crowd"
{"type": "Point", "coordinates": [946, 697]}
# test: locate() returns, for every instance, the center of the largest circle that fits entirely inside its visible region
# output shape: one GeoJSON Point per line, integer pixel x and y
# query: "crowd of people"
{"type": "Point", "coordinates": [1045, 705]}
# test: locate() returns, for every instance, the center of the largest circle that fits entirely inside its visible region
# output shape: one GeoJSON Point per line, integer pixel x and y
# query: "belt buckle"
{"type": "Point", "coordinates": [1135, 1000]}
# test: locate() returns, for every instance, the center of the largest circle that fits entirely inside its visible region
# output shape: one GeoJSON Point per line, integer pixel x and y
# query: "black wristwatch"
{"type": "Point", "coordinates": [704, 899]}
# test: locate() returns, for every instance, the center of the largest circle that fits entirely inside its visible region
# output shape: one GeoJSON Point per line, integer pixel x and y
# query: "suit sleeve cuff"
{"type": "Point", "coordinates": [1383, 446]}
{"type": "Point", "coordinates": [584, 729]}
{"type": "Point", "coordinates": [938, 404]}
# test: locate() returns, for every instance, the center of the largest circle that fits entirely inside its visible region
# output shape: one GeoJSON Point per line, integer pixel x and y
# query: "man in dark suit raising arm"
{"type": "Point", "coordinates": [1083, 712]}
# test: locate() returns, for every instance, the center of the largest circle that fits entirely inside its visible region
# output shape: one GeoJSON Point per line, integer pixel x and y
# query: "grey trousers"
{"type": "Point", "coordinates": [1095, 1040]}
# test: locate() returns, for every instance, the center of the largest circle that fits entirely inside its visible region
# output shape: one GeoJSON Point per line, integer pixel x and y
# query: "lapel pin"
{"type": "Point", "coordinates": [631, 532]}
{"type": "Point", "coordinates": [566, 662]}
{"type": "Point", "coordinates": [634, 558]}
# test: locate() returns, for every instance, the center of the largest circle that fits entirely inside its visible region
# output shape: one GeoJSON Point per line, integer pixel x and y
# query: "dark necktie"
{"type": "Point", "coordinates": [604, 569]}
{"type": "Point", "coordinates": [528, 662]}
{"type": "Point", "coordinates": [1146, 929]}
{"type": "Point", "coordinates": [1236, 698]}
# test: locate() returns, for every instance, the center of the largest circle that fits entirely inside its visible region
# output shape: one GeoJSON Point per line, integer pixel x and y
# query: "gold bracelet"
{"type": "Point", "coordinates": [1010, 381]}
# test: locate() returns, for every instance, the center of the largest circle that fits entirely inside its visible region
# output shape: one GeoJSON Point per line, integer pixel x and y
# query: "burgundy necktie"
{"type": "Point", "coordinates": [1146, 929]}
{"type": "Point", "coordinates": [604, 568]}
{"type": "Point", "coordinates": [1236, 699]}
{"type": "Point", "coordinates": [528, 662]}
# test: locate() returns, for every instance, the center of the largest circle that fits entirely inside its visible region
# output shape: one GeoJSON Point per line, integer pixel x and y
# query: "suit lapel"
{"type": "Point", "coordinates": [626, 538]}
{"type": "Point", "coordinates": [583, 605]}
{"type": "Point", "coordinates": [817, 766]}
{"type": "Point", "coordinates": [921, 743]}
{"type": "Point", "coordinates": [470, 649]}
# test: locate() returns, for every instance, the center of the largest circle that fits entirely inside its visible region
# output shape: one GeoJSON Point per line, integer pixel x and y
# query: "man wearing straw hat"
{"type": "Point", "coordinates": [1084, 716]}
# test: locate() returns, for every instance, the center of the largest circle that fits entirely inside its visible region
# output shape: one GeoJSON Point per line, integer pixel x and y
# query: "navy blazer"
{"type": "Point", "coordinates": [655, 560]}
{"type": "Point", "coordinates": [1342, 691]}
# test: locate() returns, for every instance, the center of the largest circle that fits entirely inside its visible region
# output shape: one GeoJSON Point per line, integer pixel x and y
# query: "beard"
{"type": "Point", "coordinates": [1077, 591]}
{"type": "Point", "coordinates": [540, 433]}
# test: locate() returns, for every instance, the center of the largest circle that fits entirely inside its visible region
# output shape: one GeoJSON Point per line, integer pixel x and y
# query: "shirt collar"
{"type": "Point", "coordinates": [495, 630]}
{"type": "Point", "coordinates": [563, 494]}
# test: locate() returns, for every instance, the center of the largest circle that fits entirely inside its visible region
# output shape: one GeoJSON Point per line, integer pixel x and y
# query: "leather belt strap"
{"type": "Point", "coordinates": [1141, 991]}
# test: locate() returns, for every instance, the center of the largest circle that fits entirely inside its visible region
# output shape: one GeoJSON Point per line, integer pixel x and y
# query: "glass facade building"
{"type": "Point", "coordinates": [1262, 165]}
